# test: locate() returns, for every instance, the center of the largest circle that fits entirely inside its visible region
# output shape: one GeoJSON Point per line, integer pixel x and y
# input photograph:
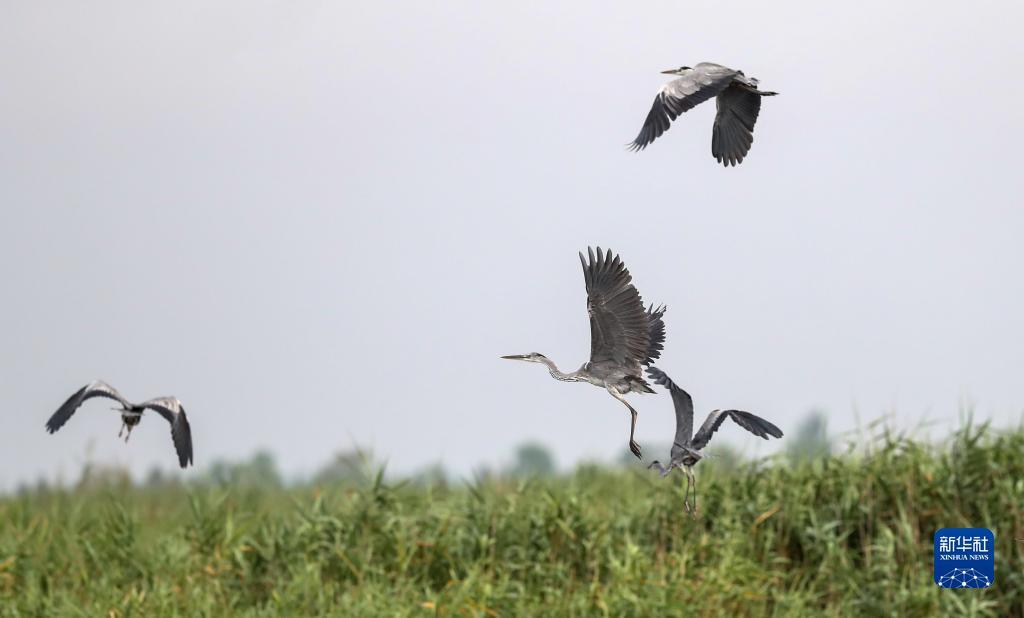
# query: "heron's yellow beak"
{"type": "Point", "coordinates": [671, 72]}
{"type": "Point", "coordinates": [516, 357]}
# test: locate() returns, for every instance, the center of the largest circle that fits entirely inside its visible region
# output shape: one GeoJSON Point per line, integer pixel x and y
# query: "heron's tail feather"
{"type": "Point", "coordinates": [639, 385]}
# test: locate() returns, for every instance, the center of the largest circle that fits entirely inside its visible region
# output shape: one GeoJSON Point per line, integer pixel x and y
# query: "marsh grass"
{"type": "Point", "coordinates": [845, 535]}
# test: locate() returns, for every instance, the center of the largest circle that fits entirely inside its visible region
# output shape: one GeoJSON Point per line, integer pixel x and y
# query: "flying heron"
{"type": "Point", "coordinates": [131, 414]}
{"type": "Point", "coordinates": [686, 450]}
{"type": "Point", "coordinates": [737, 98]}
{"type": "Point", "coordinates": [623, 336]}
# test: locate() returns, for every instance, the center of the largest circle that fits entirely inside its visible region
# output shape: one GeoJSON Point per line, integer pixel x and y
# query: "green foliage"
{"type": "Point", "coordinates": [840, 535]}
{"type": "Point", "coordinates": [532, 459]}
{"type": "Point", "coordinates": [260, 470]}
{"type": "Point", "coordinates": [810, 440]}
{"type": "Point", "coordinates": [351, 467]}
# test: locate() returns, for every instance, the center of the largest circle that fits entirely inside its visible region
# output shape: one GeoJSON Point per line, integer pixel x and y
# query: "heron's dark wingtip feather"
{"type": "Point", "coordinates": [173, 412]}
{"type": "Point", "coordinates": [771, 429]}
{"type": "Point", "coordinates": [659, 377]}
{"type": "Point", "coordinates": [618, 321]}
{"type": "Point", "coordinates": [733, 133]}
{"type": "Point", "coordinates": [755, 424]}
{"type": "Point", "coordinates": [65, 411]}
{"type": "Point", "coordinates": [658, 120]}
{"type": "Point", "coordinates": [53, 424]}
{"type": "Point", "coordinates": [181, 434]}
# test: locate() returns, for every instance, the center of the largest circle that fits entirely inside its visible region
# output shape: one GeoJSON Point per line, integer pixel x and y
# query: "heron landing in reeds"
{"type": "Point", "coordinates": [623, 336]}
{"type": "Point", "coordinates": [686, 448]}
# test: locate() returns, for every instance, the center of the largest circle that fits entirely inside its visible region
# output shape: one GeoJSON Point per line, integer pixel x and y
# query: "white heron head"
{"type": "Point", "coordinates": [532, 357]}
{"type": "Point", "coordinates": [679, 71]}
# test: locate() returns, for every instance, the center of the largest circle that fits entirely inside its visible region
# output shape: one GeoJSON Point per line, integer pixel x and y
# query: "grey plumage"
{"type": "Point", "coordinates": [683, 405]}
{"type": "Point", "coordinates": [737, 99]}
{"type": "Point", "coordinates": [686, 446]}
{"type": "Point", "coordinates": [96, 388]}
{"type": "Point", "coordinates": [751, 422]}
{"type": "Point", "coordinates": [181, 432]}
{"type": "Point", "coordinates": [131, 414]}
{"type": "Point", "coordinates": [624, 336]}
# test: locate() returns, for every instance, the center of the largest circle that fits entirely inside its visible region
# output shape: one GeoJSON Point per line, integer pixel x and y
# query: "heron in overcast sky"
{"type": "Point", "coordinates": [686, 450]}
{"type": "Point", "coordinates": [131, 414]}
{"type": "Point", "coordinates": [737, 98]}
{"type": "Point", "coordinates": [623, 336]}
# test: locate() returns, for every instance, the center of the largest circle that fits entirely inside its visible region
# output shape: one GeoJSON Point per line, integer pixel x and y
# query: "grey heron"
{"type": "Point", "coordinates": [686, 449]}
{"type": "Point", "coordinates": [623, 335]}
{"type": "Point", "coordinates": [737, 98]}
{"type": "Point", "coordinates": [131, 414]}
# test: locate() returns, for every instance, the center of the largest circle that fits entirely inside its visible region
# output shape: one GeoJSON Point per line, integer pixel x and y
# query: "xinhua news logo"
{"type": "Point", "coordinates": [965, 558]}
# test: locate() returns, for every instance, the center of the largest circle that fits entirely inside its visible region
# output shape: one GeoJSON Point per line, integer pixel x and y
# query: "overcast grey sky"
{"type": "Point", "coordinates": [321, 223]}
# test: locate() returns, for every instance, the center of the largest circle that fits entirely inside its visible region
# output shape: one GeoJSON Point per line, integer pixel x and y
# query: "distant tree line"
{"type": "Point", "coordinates": [807, 442]}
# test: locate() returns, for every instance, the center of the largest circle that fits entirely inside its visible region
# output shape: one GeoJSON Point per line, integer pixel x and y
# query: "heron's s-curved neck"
{"type": "Point", "coordinates": [557, 374]}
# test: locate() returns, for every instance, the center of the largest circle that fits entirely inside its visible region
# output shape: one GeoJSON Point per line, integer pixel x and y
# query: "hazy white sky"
{"type": "Point", "coordinates": [321, 223]}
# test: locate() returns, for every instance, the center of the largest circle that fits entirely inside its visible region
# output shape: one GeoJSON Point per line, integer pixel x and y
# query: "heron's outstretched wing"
{"type": "Point", "coordinates": [752, 423]}
{"type": "Point", "coordinates": [618, 322]}
{"type": "Point", "coordinates": [733, 133]}
{"type": "Point", "coordinates": [683, 404]}
{"type": "Point", "coordinates": [181, 433]}
{"type": "Point", "coordinates": [679, 95]}
{"type": "Point", "coordinates": [656, 332]}
{"type": "Point", "coordinates": [96, 388]}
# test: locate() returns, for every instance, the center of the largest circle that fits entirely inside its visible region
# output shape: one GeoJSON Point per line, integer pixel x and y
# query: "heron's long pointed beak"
{"type": "Point", "coordinates": [671, 72]}
{"type": "Point", "coordinates": [516, 357]}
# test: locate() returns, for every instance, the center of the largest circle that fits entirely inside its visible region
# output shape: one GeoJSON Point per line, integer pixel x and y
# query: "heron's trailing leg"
{"type": "Point", "coordinates": [128, 422]}
{"type": "Point", "coordinates": [691, 481]}
{"type": "Point", "coordinates": [686, 496]}
{"type": "Point", "coordinates": [694, 494]}
{"type": "Point", "coordinates": [126, 430]}
{"type": "Point", "coordinates": [633, 446]}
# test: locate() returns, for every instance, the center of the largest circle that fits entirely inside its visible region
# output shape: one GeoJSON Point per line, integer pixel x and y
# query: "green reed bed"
{"type": "Point", "coordinates": [844, 535]}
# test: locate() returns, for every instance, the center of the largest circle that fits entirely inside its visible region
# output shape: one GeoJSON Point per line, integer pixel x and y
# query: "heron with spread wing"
{"type": "Point", "coordinates": [131, 415]}
{"type": "Point", "coordinates": [686, 448]}
{"type": "Point", "coordinates": [736, 96]}
{"type": "Point", "coordinates": [624, 336]}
